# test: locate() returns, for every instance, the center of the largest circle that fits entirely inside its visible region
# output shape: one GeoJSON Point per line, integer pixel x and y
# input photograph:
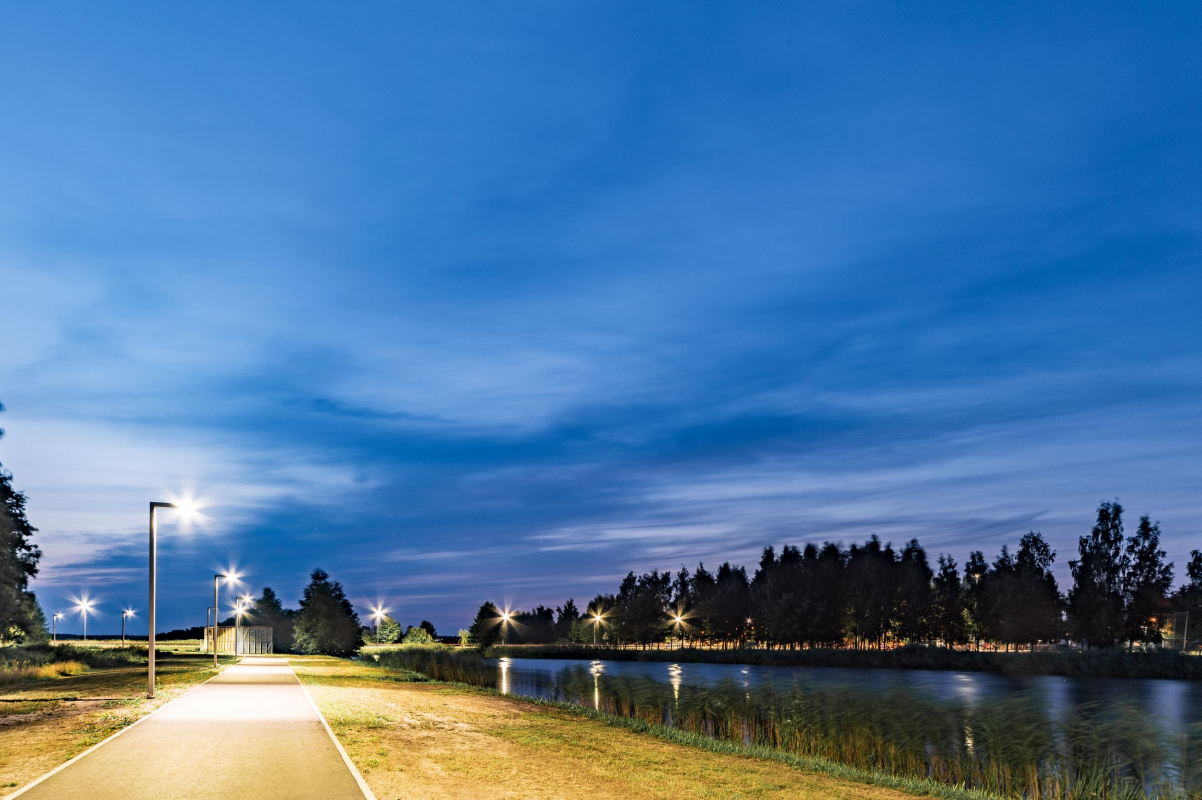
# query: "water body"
{"type": "Point", "coordinates": [1174, 704]}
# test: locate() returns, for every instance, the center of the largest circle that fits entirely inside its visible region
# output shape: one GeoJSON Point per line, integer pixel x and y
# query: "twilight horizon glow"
{"type": "Point", "coordinates": [501, 303]}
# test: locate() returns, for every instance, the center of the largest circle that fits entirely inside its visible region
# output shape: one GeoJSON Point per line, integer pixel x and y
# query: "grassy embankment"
{"type": "Point", "coordinates": [414, 738]}
{"type": "Point", "coordinates": [57, 701]}
{"type": "Point", "coordinates": [1008, 746]}
{"type": "Point", "coordinates": [1115, 663]}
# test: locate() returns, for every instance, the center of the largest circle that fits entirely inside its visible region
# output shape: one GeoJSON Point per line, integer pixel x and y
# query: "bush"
{"type": "Point", "coordinates": [417, 636]}
{"type": "Point", "coordinates": [51, 661]}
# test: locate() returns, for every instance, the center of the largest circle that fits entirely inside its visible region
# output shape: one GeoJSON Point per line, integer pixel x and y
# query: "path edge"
{"type": "Point", "coordinates": [363, 787]}
{"type": "Point", "coordinates": [105, 741]}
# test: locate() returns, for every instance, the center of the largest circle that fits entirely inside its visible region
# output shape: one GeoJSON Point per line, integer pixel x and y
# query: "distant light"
{"type": "Point", "coordinates": [127, 612]}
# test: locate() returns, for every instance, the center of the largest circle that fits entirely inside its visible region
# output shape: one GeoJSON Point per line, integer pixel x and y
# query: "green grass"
{"type": "Point", "coordinates": [1008, 747]}
{"type": "Point", "coordinates": [435, 739]}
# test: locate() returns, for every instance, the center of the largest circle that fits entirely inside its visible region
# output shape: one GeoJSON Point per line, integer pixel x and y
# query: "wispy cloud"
{"type": "Point", "coordinates": [593, 291]}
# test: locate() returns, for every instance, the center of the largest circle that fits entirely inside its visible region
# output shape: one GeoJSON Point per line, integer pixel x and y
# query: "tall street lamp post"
{"type": "Point", "coordinates": [677, 621]}
{"type": "Point", "coordinates": [54, 625]}
{"type": "Point", "coordinates": [154, 551]}
{"type": "Point", "coordinates": [228, 577]}
{"type": "Point", "coordinates": [126, 614]}
{"type": "Point", "coordinates": [378, 615]}
{"type": "Point", "coordinates": [597, 618]}
{"type": "Point", "coordinates": [83, 607]}
{"type": "Point", "coordinates": [243, 603]}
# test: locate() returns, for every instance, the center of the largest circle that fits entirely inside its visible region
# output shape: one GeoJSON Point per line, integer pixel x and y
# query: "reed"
{"type": "Point", "coordinates": [1008, 747]}
{"type": "Point", "coordinates": [21, 671]}
{"type": "Point", "coordinates": [39, 662]}
{"type": "Point", "coordinates": [439, 663]}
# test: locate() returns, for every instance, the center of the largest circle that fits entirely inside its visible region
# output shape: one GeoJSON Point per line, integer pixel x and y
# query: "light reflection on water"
{"type": "Point", "coordinates": [1177, 703]}
{"type": "Point", "coordinates": [596, 668]}
{"type": "Point", "coordinates": [674, 676]}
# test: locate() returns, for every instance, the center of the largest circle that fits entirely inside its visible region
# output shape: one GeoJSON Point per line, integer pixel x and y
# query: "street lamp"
{"type": "Point", "coordinates": [598, 619]}
{"type": "Point", "coordinates": [83, 606]}
{"type": "Point", "coordinates": [54, 625]}
{"type": "Point", "coordinates": [505, 618]}
{"type": "Point", "coordinates": [378, 615]}
{"type": "Point", "coordinates": [126, 614]}
{"type": "Point", "coordinates": [239, 610]}
{"type": "Point", "coordinates": [154, 549]}
{"type": "Point", "coordinates": [677, 621]}
{"type": "Point", "coordinates": [228, 577]}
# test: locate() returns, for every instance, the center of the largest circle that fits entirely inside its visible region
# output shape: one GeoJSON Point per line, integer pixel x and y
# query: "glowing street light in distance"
{"type": "Point", "coordinates": [378, 614]}
{"type": "Point", "coordinates": [126, 614]}
{"type": "Point", "coordinates": [83, 606]}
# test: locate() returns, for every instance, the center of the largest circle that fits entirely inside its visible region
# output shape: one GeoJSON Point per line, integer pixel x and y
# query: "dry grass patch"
{"type": "Point", "coordinates": [424, 740]}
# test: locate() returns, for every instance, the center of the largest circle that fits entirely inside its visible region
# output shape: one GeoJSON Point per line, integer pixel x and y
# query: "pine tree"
{"type": "Point", "coordinates": [912, 605]}
{"type": "Point", "coordinates": [1147, 583]}
{"type": "Point", "coordinates": [388, 631]}
{"type": "Point", "coordinates": [566, 616]}
{"type": "Point", "coordinates": [1034, 611]}
{"type": "Point", "coordinates": [1095, 603]}
{"type": "Point", "coordinates": [486, 628]}
{"type": "Point", "coordinates": [327, 622]}
{"type": "Point", "coordinates": [948, 604]}
{"type": "Point", "coordinates": [975, 570]}
{"type": "Point", "coordinates": [269, 611]}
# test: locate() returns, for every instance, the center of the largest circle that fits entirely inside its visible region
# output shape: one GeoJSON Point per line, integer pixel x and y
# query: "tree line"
{"type": "Point", "coordinates": [872, 595]}
{"type": "Point", "coordinates": [326, 621]}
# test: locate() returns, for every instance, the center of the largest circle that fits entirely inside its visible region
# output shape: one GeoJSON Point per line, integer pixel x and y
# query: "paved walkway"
{"type": "Point", "coordinates": [251, 732]}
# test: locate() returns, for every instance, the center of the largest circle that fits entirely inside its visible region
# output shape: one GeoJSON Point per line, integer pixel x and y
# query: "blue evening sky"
{"type": "Point", "coordinates": [462, 301]}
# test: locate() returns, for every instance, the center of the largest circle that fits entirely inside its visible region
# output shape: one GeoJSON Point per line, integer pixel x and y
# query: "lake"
{"type": "Point", "coordinates": [1174, 703]}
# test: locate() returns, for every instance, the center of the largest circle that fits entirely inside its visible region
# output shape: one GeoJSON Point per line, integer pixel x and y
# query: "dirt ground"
{"type": "Point", "coordinates": [422, 740]}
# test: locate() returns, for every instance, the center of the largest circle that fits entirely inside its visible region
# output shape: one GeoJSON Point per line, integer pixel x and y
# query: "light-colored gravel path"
{"type": "Point", "coordinates": [251, 732]}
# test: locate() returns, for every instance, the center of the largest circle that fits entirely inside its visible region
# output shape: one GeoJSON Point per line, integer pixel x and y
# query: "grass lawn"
{"type": "Point", "coordinates": [47, 721]}
{"type": "Point", "coordinates": [428, 740]}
